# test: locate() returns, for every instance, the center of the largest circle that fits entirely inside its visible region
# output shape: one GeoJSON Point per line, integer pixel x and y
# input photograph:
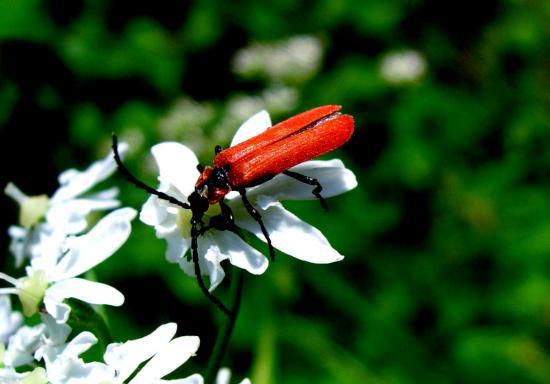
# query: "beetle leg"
{"type": "Point", "coordinates": [256, 216]}
{"type": "Point", "coordinates": [311, 181]}
{"type": "Point", "coordinates": [140, 184]}
{"type": "Point", "coordinates": [218, 149]}
{"type": "Point", "coordinates": [198, 274]}
{"type": "Point", "coordinates": [223, 221]}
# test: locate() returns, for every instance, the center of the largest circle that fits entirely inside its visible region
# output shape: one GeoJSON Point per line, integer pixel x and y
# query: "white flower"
{"type": "Point", "coordinates": [22, 345]}
{"type": "Point", "coordinates": [63, 364]}
{"type": "Point", "coordinates": [65, 212]}
{"type": "Point", "coordinates": [48, 342]}
{"type": "Point", "coordinates": [160, 352]}
{"type": "Point", "coordinates": [178, 174]}
{"type": "Point", "coordinates": [402, 67]}
{"type": "Point", "coordinates": [51, 276]}
{"type": "Point", "coordinates": [45, 340]}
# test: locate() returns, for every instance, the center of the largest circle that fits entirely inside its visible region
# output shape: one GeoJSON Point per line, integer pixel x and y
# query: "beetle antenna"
{"type": "Point", "coordinates": [140, 184]}
{"type": "Point", "coordinates": [256, 216]}
{"type": "Point", "coordinates": [200, 281]}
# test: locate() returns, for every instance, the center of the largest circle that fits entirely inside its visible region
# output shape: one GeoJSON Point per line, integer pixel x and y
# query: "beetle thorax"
{"type": "Point", "coordinates": [213, 184]}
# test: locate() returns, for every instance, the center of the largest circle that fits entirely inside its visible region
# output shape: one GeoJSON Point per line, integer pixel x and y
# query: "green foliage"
{"type": "Point", "coordinates": [447, 237]}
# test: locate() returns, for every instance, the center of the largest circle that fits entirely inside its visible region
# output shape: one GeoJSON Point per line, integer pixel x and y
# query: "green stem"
{"type": "Point", "coordinates": [222, 340]}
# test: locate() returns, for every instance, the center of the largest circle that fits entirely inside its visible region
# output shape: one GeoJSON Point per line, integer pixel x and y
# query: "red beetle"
{"type": "Point", "coordinates": [252, 162]}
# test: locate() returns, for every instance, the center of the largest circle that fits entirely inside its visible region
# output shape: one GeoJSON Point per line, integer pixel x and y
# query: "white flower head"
{"type": "Point", "coordinates": [160, 351]}
{"type": "Point", "coordinates": [402, 67]}
{"type": "Point", "coordinates": [52, 277]}
{"type": "Point", "coordinates": [65, 212]}
{"type": "Point", "coordinates": [178, 174]}
{"type": "Point", "coordinates": [293, 60]}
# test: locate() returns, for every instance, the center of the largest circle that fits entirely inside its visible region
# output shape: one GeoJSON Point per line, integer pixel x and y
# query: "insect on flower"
{"type": "Point", "coordinates": [253, 162]}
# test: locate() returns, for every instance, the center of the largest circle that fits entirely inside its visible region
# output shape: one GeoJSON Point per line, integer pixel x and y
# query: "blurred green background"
{"type": "Point", "coordinates": [447, 238]}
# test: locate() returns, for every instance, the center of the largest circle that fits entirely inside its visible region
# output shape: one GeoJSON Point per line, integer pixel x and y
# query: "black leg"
{"type": "Point", "coordinates": [256, 216]}
{"type": "Point", "coordinates": [223, 221]}
{"type": "Point", "coordinates": [194, 223]}
{"type": "Point", "coordinates": [311, 181]}
{"type": "Point", "coordinates": [140, 184]}
{"type": "Point", "coordinates": [200, 281]}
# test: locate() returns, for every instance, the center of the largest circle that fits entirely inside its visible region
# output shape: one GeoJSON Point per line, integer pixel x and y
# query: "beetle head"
{"type": "Point", "coordinates": [213, 184]}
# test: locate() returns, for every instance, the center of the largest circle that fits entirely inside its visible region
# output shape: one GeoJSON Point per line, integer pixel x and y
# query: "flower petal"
{"type": "Point", "coordinates": [216, 246]}
{"type": "Point", "coordinates": [53, 341]}
{"type": "Point", "coordinates": [85, 290]}
{"type": "Point", "coordinates": [88, 250]}
{"type": "Point", "coordinates": [161, 215]}
{"type": "Point", "coordinates": [223, 376]}
{"type": "Point", "coordinates": [45, 246]}
{"type": "Point", "coordinates": [70, 216]}
{"type": "Point", "coordinates": [56, 308]}
{"type": "Point", "coordinates": [170, 357]}
{"type": "Point", "coordinates": [21, 239]}
{"type": "Point", "coordinates": [76, 371]}
{"type": "Point", "coordinates": [22, 345]}
{"type": "Point", "coordinates": [255, 125]}
{"type": "Point", "coordinates": [193, 379]}
{"type": "Point", "coordinates": [333, 176]}
{"type": "Point", "coordinates": [56, 333]}
{"type": "Point", "coordinates": [177, 165]}
{"type": "Point", "coordinates": [289, 234]}
{"type": "Point", "coordinates": [79, 344]}
{"type": "Point", "coordinates": [210, 258]}
{"type": "Point", "coordinates": [10, 320]}
{"type": "Point", "coordinates": [240, 253]}
{"type": "Point", "coordinates": [152, 213]}
{"type": "Point", "coordinates": [74, 182]}
{"type": "Point", "coordinates": [177, 247]}
{"type": "Point", "coordinates": [188, 266]}
{"type": "Point", "coordinates": [126, 357]}
{"type": "Point", "coordinates": [10, 375]}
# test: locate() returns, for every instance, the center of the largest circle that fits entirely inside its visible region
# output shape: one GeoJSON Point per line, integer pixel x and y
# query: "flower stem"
{"type": "Point", "coordinates": [222, 340]}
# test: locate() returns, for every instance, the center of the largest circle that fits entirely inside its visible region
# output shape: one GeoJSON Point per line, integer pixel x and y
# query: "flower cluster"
{"type": "Point", "coordinates": [51, 236]}
{"type": "Point", "coordinates": [292, 60]}
{"type": "Point", "coordinates": [141, 361]}
{"type": "Point", "coordinates": [55, 244]}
